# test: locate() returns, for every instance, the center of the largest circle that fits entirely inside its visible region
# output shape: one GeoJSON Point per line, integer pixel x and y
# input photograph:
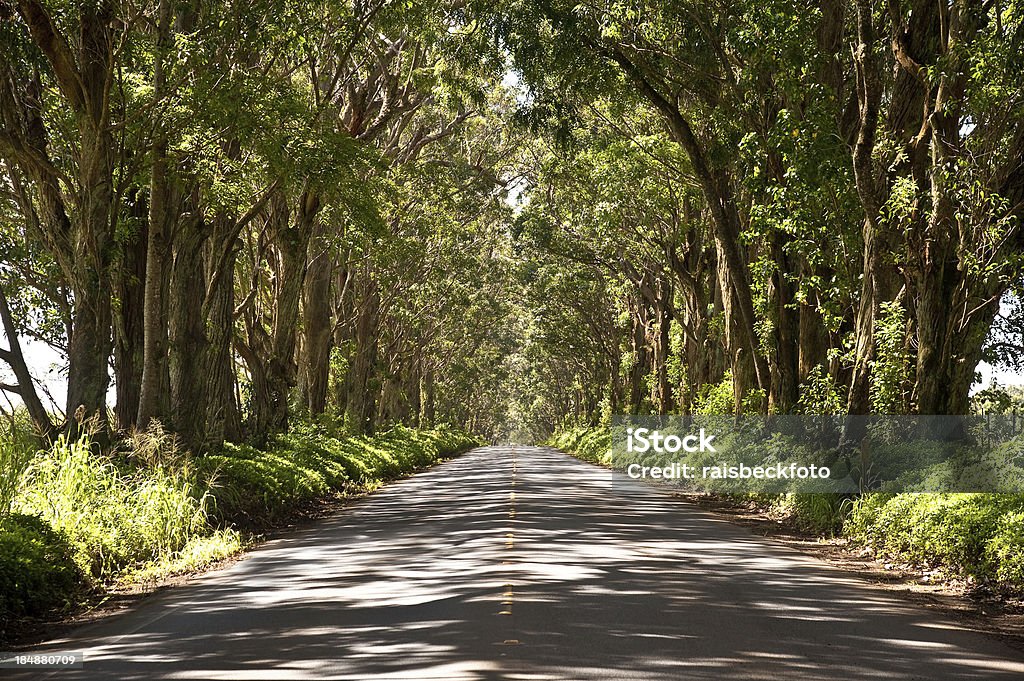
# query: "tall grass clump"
{"type": "Point", "coordinates": [13, 460]}
{"type": "Point", "coordinates": [38, 574]}
{"type": "Point", "coordinates": [18, 444]}
{"type": "Point", "coordinates": [114, 517]}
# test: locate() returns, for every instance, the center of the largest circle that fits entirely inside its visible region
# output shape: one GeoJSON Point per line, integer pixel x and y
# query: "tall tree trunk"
{"type": "Point", "coordinates": [129, 335]}
{"type": "Point", "coordinates": [872, 293]}
{"type": "Point", "coordinates": [414, 378]}
{"type": "Point", "coordinates": [221, 418]}
{"type": "Point", "coordinates": [812, 334]}
{"type": "Point", "coordinates": [427, 396]}
{"type": "Point", "coordinates": [88, 353]}
{"type": "Point", "coordinates": [785, 364]}
{"type": "Point", "coordinates": [153, 391]}
{"type": "Point", "coordinates": [317, 339]}
{"type": "Point", "coordinates": [615, 382]}
{"type": "Point", "coordinates": [363, 388]}
{"type": "Point", "coordinates": [186, 335]}
{"type": "Point", "coordinates": [291, 244]}
{"type": "Point", "coordinates": [662, 349]}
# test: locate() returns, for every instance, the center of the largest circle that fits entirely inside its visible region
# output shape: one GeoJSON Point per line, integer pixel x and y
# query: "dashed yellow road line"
{"type": "Point", "coordinates": [508, 595]}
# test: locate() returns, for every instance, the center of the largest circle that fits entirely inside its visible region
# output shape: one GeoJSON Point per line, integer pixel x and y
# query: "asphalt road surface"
{"type": "Point", "coordinates": [522, 563]}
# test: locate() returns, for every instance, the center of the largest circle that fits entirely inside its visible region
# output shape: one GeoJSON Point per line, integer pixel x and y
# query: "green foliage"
{"type": "Point", "coordinates": [976, 534]}
{"type": "Point", "coordinates": [909, 463]}
{"type": "Point", "coordinates": [823, 513]}
{"type": "Point", "coordinates": [997, 399]}
{"type": "Point", "coordinates": [200, 552]}
{"type": "Point", "coordinates": [114, 517]}
{"type": "Point", "coordinates": [716, 400]}
{"type": "Point", "coordinates": [892, 365]}
{"type": "Point", "coordinates": [1004, 347]}
{"type": "Point", "coordinates": [38, 572]}
{"type": "Point", "coordinates": [819, 513]}
{"type": "Point", "coordinates": [85, 518]}
{"type": "Point", "coordinates": [755, 401]}
{"type": "Point", "coordinates": [254, 486]}
{"type": "Point", "coordinates": [820, 394]}
{"type": "Point", "coordinates": [589, 444]}
{"type": "Point", "coordinates": [1004, 552]}
{"type": "Point", "coordinates": [16, 450]}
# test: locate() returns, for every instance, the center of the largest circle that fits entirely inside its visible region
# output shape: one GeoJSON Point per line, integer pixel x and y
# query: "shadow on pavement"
{"type": "Point", "coordinates": [522, 563]}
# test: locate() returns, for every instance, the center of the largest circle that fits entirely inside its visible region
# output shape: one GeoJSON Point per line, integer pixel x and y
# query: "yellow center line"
{"type": "Point", "coordinates": [508, 596]}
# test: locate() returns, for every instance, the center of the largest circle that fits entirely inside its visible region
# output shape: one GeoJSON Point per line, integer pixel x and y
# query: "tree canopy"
{"type": "Point", "coordinates": [506, 216]}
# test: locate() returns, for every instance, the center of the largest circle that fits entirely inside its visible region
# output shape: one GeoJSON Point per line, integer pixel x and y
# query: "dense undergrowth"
{"type": "Point", "coordinates": [975, 535]}
{"type": "Point", "coordinates": [77, 520]}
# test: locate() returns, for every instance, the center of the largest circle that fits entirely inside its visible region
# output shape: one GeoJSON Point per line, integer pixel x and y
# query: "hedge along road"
{"type": "Point", "coordinates": [523, 563]}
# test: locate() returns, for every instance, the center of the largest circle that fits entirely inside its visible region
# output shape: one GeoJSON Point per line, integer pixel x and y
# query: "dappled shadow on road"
{"type": "Point", "coordinates": [402, 585]}
{"type": "Point", "coordinates": [525, 564]}
{"type": "Point", "coordinates": [655, 589]}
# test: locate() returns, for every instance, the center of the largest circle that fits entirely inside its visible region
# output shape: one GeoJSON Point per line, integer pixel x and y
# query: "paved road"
{"type": "Point", "coordinates": [522, 563]}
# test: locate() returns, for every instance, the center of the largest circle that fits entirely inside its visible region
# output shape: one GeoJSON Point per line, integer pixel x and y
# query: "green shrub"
{"type": "Point", "coordinates": [140, 513]}
{"type": "Point", "coordinates": [254, 486]}
{"type": "Point", "coordinates": [973, 534]}
{"type": "Point", "coordinates": [248, 483]}
{"type": "Point", "coordinates": [37, 571]}
{"type": "Point", "coordinates": [591, 444]}
{"type": "Point", "coordinates": [1004, 552]}
{"type": "Point", "coordinates": [820, 394]}
{"type": "Point", "coordinates": [816, 512]}
{"type": "Point", "coordinates": [13, 460]}
{"type": "Point", "coordinates": [113, 518]}
{"type": "Point", "coordinates": [18, 443]}
{"type": "Point", "coordinates": [716, 400]}
{"type": "Point", "coordinates": [891, 370]}
{"type": "Point", "coordinates": [198, 553]}
{"type": "Point", "coordinates": [862, 523]}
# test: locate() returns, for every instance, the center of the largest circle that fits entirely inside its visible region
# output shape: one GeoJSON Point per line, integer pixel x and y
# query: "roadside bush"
{"type": "Point", "coordinates": [980, 535]}
{"type": "Point", "coordinates": [1004, 552]}
{"type": "Point", "coordinates": [253, 486]}
{"type": "Point", "coordinates": [816, 512]}
{"type": "Point", "coordinates": [114, 519]}
{"type": "Point", "coordinates": [85, 518]}
{"type": "Point", "coordinates": [38, 573]}
{"type": "Point", "coordinates": [716, 400]}
{"type": "Point", "coordinates": [13, 460]}
{"type": "Point", "coordinates": [587, 443]}
{"type": "Point", "coordinates": [198, 553]}
{"type": "Point", "coordinates": [18, 444]}
{"type": "Point", "coordinates": [964, 533]}
{"type": "Point", "coordinates": [820, 394]}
